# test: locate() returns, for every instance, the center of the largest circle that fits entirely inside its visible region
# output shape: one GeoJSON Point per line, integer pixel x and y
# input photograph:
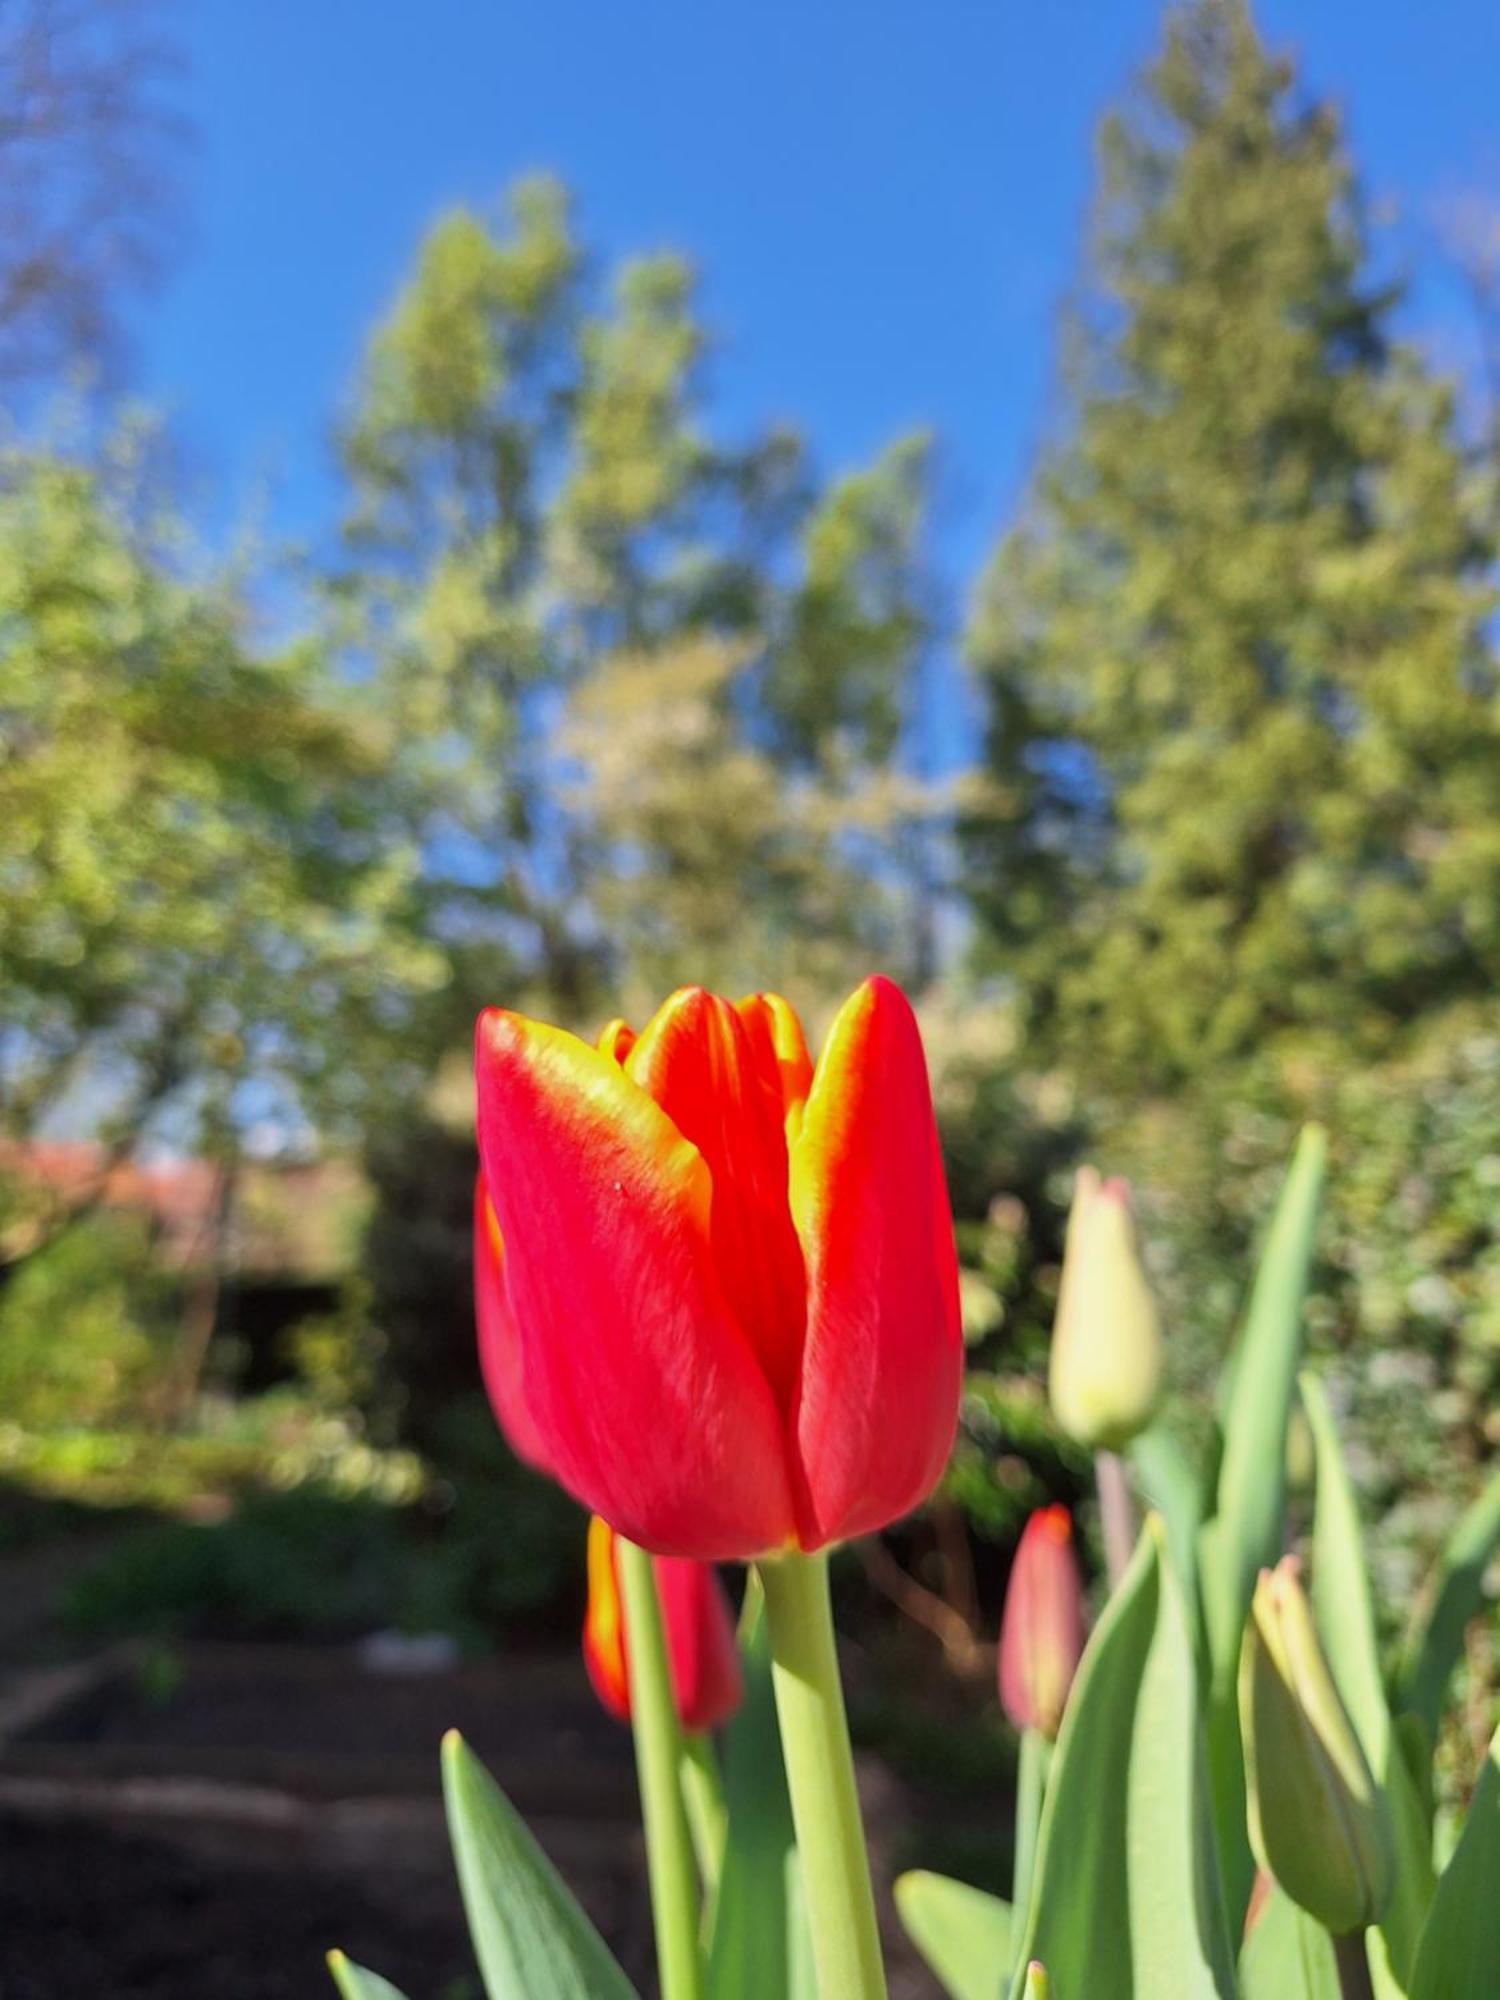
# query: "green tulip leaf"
{"type": "Point", "coordinates": [1245, 1533]}
{"type": "Point", "coordinates": [354, 1983]}
{"type": "Point", "coordinates": [1345, 1615]}
{"type": "Point", "coordinates": [1458, 1955]}
{"type": "Point", "coordinates": [1125, 1901]}
{"type": "Point", "coordinates": [1287, 1955]}
{"type": "Point", "coordinates": [1167, 1480]}
{"type": "Point", "coordinates": [531, 1938]}
{"type": "Point", "coordinates": [1341, 1600]}
{"type": "Point", "coordinates": [963, 1933]}
{"type": "Point", "coordinates": [1454, 1594]}
{"type": "Point", "coordinates": [758, 1937]}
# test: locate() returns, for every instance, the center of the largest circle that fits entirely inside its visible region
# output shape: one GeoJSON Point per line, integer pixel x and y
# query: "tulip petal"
{"type": "Point", "coordinates": [698, 1061]}
{"type": "Point", "coordinates": [704, 1663]}
{"type": "Point", "coordinates": [651, 1404]}
{"type": "Point", "coordinates": [781, 1049]}
{"type": "Point", "coordinates": [706, 1676]}
{"type": "Point", "coordinates": [883, 1359]}
{"type": "Point", "coordinates": [499, 1340]}
{"type": "Point", "coordinates": [616, 1039]}
{"type": "Point", "coordinates": [604, 1624]}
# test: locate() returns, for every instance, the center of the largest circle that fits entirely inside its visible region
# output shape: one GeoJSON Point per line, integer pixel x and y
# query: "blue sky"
{"type": "Point", "coordinates": [885, 200]}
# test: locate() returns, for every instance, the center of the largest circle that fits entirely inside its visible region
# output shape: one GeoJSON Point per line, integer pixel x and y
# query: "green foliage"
{"type": "Point", "coordinates": [1244, 615]}
{"type": "Point", "coordinates": [757, 1927]}
{"type": "Point", "coordinates": [1126, 1892]}
{"type": "Point", "coordinates": [328, 1560]}
{"type": "Point", "coordinates": [1287, 1956]}
{"type": "Point", "coordinates": [1243, 1534]}
{"type": "Point", "coordinates": [1460, 1943]}
{"type": "Point", "coordinates": [306, 1564]}
{"type": "Point", "coordinates": [1233, 851]}
{"type": "Point", "coordinates": [646, 685]}
{"type": "Point", "coordinates": [85, 1328]}
{"type": "Point", "coordinates": [354, 1983]}
{"type": "Point", "coordinates": [417, 1262]}
{"type": "Point", "coordinates": [1455, 1594]}
{"type": "Point", "coordinates": [195, 901]}
{"type": "Point", "coordinates": [532, 1940]}
{"type": "Point", "coordinates": [964, 1934]}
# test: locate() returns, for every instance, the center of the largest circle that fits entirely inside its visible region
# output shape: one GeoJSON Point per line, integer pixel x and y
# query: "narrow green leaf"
{"type": "Point", "coordinates": [758, 1939]}
{"type": "Point", "coordinates": [1454, 1593]}
{"type": "Point", "coordinates": [1287, 1955]}
{"type": "Point", "coordinates": [532, 1940]}
{"type": "Point", "coordinates": [1245, 1533]}
{"type": "Point", "coordinates": [1345, 1614]}
{"type": "Point", "coordinates": [1168, 1481]}
{"type": "Point", "coordinates": [964, 1934]}
{"type": "Point", "coordinates": [1126, 1898]}
{"type": "Point", "coordinates": [1342, 1605]}
{"type": "Point", "coordinates": [354, 1983]}
{"type": "Point", "coordinates": [1247, 1524]}
{"type": "Point", "coordinates": [1415, 1746]}
{"type": "Point", "coordinates": [1458, 1957]}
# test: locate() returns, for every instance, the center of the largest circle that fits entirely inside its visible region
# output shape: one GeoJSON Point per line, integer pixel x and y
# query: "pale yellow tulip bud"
{"type": "Point", "coordinates": [1106, 1363]}
{"type": "Point", "coordinates": [1318, 1820]}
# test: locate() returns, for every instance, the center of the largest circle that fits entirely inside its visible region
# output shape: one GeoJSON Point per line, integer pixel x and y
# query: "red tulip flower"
{"type": "Point", "coordinates": [499, 1347]}
{"type": "Point", "coordinates": [705, 1667]}
{"type": "Point", "coordinates": [1041, 1632]}
{"type": "Point", "coordinates": [729, 1278]}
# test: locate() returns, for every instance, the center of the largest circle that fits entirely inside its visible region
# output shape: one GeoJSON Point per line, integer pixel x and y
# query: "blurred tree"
{"type": "Point", "coordinates": [86, 139]}
{"type": "Point", "coordinates": [100, 1283]}
{"type": "Point", "coordinates": [633, 668]}
{"type": "Point", "coordinates": [650, 691]}
{"type": "Point", "coordinates": [198, 908]}
{"type": "Point", "coordinates": [1243, 725]}
{"type": "Point", "coordinates": [1236, 845]}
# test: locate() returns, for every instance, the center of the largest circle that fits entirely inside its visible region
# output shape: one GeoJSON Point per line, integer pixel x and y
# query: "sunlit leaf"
{"type": "Point", "coordinates": [1168, 1481]}
{"type": "Point", "coordinates": [1458, 1956]}
{"type": "Point", "coordinates": [1287, 1955]}
{"type": "Point", "coordinates": [1126, 1901]}
{"type": "Point", "coordinates": [758, 1938]}
{"type": "Point", "coordinates": [354, 1983]}
{"type": "Point", "coordinates": [1245, 1533]}
{"type": "Point", "coordinates": [1345, 1614]}
{"type": "Point", "coordinates": [532, 1940]}
{"type": "Point", "coordinates": [1454, 1594]}
{"type": "Point", "coordinates": [963, 1933]}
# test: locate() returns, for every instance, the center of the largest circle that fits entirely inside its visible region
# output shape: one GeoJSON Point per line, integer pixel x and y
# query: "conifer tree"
{"type": "Point", "coordinates": [1243, 735]}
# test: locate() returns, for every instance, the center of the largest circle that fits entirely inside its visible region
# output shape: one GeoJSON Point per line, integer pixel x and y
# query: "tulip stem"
{"type": "Point", "coordinates": [703, 1796]}
{"type": "Point", "coordinates": [1031, 1785]}
{"type": "Point", "coordinates": [820, 1778]}
{"type": "Point", "coordinates": [1351, 1956]}
{"type": "Point", "coordinates": [658, 1754]}
{"type": "Point", "coordinates": [1116, 1513]}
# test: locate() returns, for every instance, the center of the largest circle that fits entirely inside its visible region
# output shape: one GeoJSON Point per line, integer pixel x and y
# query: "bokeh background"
{"type": "Point", "coordinates": [538, 506]}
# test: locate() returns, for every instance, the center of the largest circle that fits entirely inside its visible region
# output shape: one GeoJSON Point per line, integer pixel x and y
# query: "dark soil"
{"type": "Point", "coordinates": [209, 1824]}
{"type": "Point", "coordinates": [89, 1912]}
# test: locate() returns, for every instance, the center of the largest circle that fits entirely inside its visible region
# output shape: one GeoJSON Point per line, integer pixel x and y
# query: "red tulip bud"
{"type": "Point", "coordinates": [705, 1667]}
{"type": "Point", "coordinates": [1041, 1633]}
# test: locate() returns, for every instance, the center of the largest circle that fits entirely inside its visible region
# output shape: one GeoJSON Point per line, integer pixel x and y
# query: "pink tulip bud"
{"type": "Point", "coordinates": [1041, 1633]}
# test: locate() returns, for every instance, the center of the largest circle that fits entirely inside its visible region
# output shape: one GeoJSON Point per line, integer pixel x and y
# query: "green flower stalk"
{"type": "Point", "coordinates": [820, 1779]}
